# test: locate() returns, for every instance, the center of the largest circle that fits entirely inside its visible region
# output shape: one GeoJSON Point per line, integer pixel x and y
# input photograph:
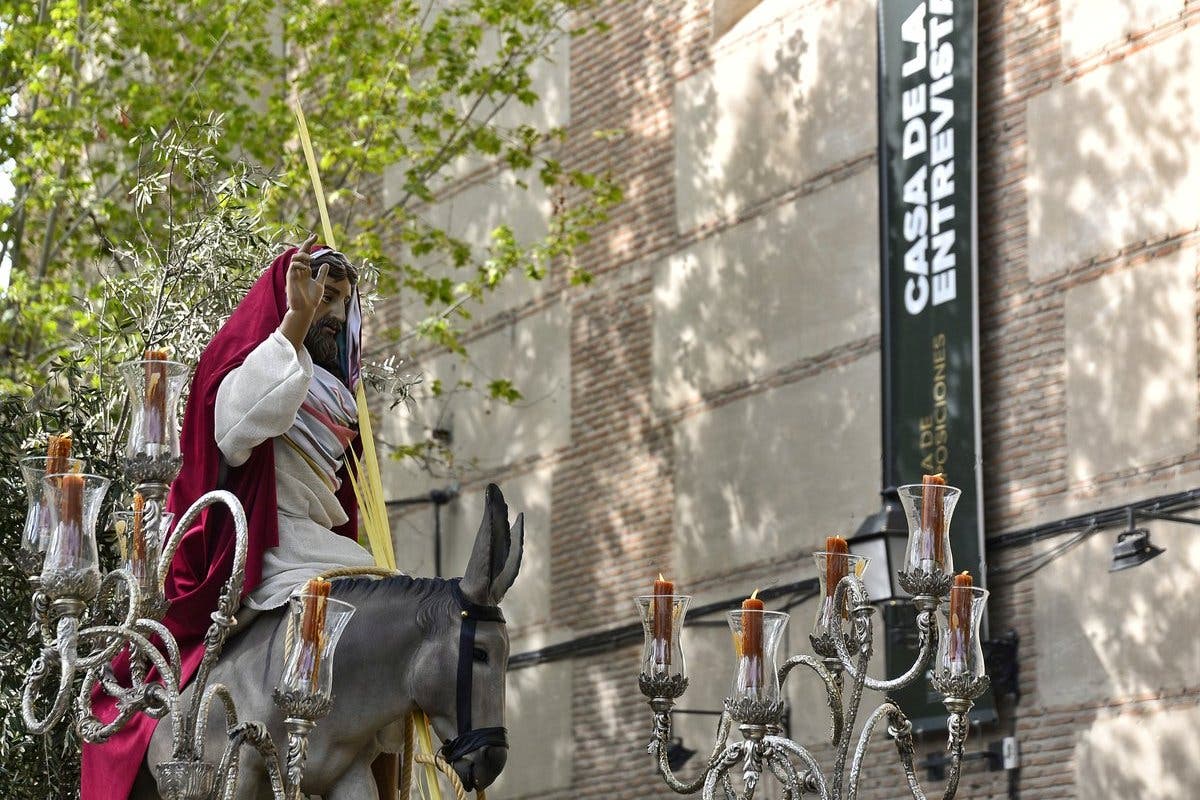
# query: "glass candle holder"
{"type": "Point", "coordinates": [960, 621]}
{"type": "Point", "coordinates": [756, 637]}
{"type": "Point", "coordinates": [831, 568]}
{"type": "Point", "coordinates": [71, 568]}
{"type": "Point", "coordinates": [37, 514]}
{"type": "Point", "coordinates": [141, 550]}
{"type": "Point", "coordinates": [154, 389]}
{"type": "Point", "coordinates": [308, 668]}
{"type": "Point", "coordinates": [929, 508]}
{"type": "Point", "coordinates": [662, 622]}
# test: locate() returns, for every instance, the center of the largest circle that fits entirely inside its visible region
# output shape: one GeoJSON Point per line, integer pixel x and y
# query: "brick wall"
{"type": "Point", "coordinates": [615, 504]}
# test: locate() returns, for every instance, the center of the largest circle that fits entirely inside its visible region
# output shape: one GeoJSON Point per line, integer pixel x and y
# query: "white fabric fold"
{"type": "Point", "coordinates": [257, 401]}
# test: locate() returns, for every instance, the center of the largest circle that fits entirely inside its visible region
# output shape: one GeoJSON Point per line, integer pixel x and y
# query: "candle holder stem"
{"type": "Point", "coordinates": [297, 753]}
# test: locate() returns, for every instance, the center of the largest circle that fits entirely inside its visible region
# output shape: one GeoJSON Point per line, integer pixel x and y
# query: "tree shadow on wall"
{"type": "Point", "coordinates": [772, 472]}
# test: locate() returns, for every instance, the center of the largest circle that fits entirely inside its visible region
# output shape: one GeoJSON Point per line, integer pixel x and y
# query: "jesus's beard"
{"type": "Point", "coordinates": [322, 343]}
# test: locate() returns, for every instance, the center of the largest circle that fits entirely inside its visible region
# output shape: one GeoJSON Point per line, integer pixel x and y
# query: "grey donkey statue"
{"type": "Point", "coordinates": [432, 644]}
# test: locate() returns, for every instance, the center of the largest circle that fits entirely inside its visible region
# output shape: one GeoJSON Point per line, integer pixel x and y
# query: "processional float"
{"type": "Point", "coordinates": [71, 598]}
{"type": "Point", "coordinates": [949, 616]}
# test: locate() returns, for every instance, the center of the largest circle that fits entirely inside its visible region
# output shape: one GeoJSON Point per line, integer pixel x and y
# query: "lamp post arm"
{"type": "Point", "coordinates": [958, 723]}
{"type": "Point", "coordinates": [785, 773]}
{"type": "Point", "coordinates": [863, 637]}
{"type": "Point", "coordinates": [928, 644]}
{"type": "Point", "coordinates": [833, 690]}
{"type": "Point", "coordinates": [108, 586]}
{"type": "Point", "coordinates": [216, 691]}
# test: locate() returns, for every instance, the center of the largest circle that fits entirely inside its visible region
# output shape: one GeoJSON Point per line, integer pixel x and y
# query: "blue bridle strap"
{"type": "Point", "coordinates": [469, 740]}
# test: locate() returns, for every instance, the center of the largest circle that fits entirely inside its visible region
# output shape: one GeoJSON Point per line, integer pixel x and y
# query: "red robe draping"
{"type": "Point", "coordinates": [204, 560]}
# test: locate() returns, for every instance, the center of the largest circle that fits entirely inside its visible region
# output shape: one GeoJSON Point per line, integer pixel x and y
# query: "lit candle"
{"type": "Point", "coordinates": [58, 457]}
{"type": "Point", "coordinates": [960, 622]}
{"type": "Point", "coordinates": [70, 519]}
{"type": "Point", "coordinates": [752, 640]}
{"type": "Point", "coordinates": [933, 521]}
{"type": "Point", "coordinates": [837, 564]}
{"type": "Point", "coordinates": [312, 626]}
{"type": "Point", "coordinates": [663, 613]}
{"type": "Point", "coordinates": [156, 396]}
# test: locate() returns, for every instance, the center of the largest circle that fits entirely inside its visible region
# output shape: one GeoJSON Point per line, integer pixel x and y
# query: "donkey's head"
{"type": "Point", "coordinates": [458, 672]}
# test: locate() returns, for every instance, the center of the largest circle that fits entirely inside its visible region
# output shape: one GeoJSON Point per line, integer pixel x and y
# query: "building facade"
{"type": "Point", "coordinates": [708, 406]}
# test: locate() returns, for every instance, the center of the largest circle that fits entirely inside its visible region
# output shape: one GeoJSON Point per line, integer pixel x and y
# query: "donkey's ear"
{"type": "Point", "coordinates": [512, 565]}
{"type": "Point", "coordinates": [494, 560]}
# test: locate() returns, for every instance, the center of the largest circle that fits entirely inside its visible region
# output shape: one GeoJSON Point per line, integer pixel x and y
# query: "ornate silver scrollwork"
{"type": "Point", "coordinates": [747, 711]}
{"type": "Point", "coordinates": [920, 583]}
{"type": "Point", "coordinates": [70, 648]}
{"type": "Point", "coordinates": [844, 656]}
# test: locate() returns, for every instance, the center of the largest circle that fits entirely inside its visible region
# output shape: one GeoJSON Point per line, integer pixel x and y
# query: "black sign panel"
{"type": "Point", "coordinates": [929, 274]}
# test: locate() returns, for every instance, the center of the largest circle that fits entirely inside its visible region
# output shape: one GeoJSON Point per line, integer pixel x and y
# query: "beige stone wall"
{"type": "Point", "coordinates": [1114, 156]}
{"type": "Point", "coordinates": [1118, 635]}
{"type": "Point", "coordinates": [753, 477]}
{"type": "Point", "coordinates": [709, 406]}
{"type": "Point", "coordinates": [1149, 756]}
{"type": "Point", "coordinates": [1131, 367]}
{"type": "Point", "coordinates": [753, 298]}
{"type": "Point", "coordinates": [765, 115]}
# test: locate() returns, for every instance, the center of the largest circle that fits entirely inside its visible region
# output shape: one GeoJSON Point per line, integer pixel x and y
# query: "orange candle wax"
{"type": "Point", "coordinates": [663, 613]}
{"type": "Point", "coordinates": [312, 626]}
{"type": "Point", "coordinates": [138, 555]}
{"type": "Point", "coordinates": [960, 619]}
{"type": "Point", "coordinates": [156, 396]}
{"type": "Point", "coordinates": [837, 564]}
{"type": "Point", "coordinates": [933, 517]}
{"type": "Point", "coordinates": [752, 639]}
{"type": "Point", "coordinates": [58, 454]}
{"type": "Point", "coordinates": [71, 517]}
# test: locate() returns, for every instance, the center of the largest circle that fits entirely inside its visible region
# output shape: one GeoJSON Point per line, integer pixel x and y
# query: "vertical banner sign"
{"type": "Point", "coordinates": [929, 273]}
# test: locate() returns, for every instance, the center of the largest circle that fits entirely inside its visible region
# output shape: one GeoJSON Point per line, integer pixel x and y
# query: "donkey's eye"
{"type": "Point", "coordinates": [479, 654]}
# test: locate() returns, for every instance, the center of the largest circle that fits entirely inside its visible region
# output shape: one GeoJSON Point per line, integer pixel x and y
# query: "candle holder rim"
{"type": "Point", "coordinates": [737, 612]}
{"type": "Point", "coordinates": [652, 596]}
{"type": "Point", "coordinates": [173, 367]}
{"type": "Point", "coordinates": [977, 591]}
{"type": "Point", "coordinates": [330, 601]}
{"type": "Point", "coordinates": [30, 459]}
{"type": "Point", "coordinates": [914, 486]}
{"type": "Point", "coordinates": [851, 556]}
{"type": "Point", "coordinates": [95, 476]}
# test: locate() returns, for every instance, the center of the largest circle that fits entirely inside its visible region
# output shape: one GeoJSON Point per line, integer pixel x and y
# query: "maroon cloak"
{"type": "Point", "coordinates": [204, 560]}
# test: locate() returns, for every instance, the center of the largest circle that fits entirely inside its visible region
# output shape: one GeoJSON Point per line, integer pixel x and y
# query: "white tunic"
{"type": "Point", "coordinates": [257, 401]}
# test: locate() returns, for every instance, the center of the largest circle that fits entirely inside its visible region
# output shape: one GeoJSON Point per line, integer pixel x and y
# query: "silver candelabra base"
{"type": "Point", "coordinates": [69, 608]}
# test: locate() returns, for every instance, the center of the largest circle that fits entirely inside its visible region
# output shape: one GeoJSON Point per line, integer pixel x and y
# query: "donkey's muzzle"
{"type": "Point", "coordinates": [486, 766]}
{"type": "Point", "coordinates": [478, 772]}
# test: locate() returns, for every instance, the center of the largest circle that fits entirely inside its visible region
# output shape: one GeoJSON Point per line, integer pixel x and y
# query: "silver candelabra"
{"type": "Point", "coordinates": [949, 617]}
{"type": "Point", "coordinates": [71, 599]}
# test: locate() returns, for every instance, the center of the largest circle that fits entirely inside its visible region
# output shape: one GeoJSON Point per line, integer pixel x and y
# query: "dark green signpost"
{"type": "Point", "coordinates": [929, 282]}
